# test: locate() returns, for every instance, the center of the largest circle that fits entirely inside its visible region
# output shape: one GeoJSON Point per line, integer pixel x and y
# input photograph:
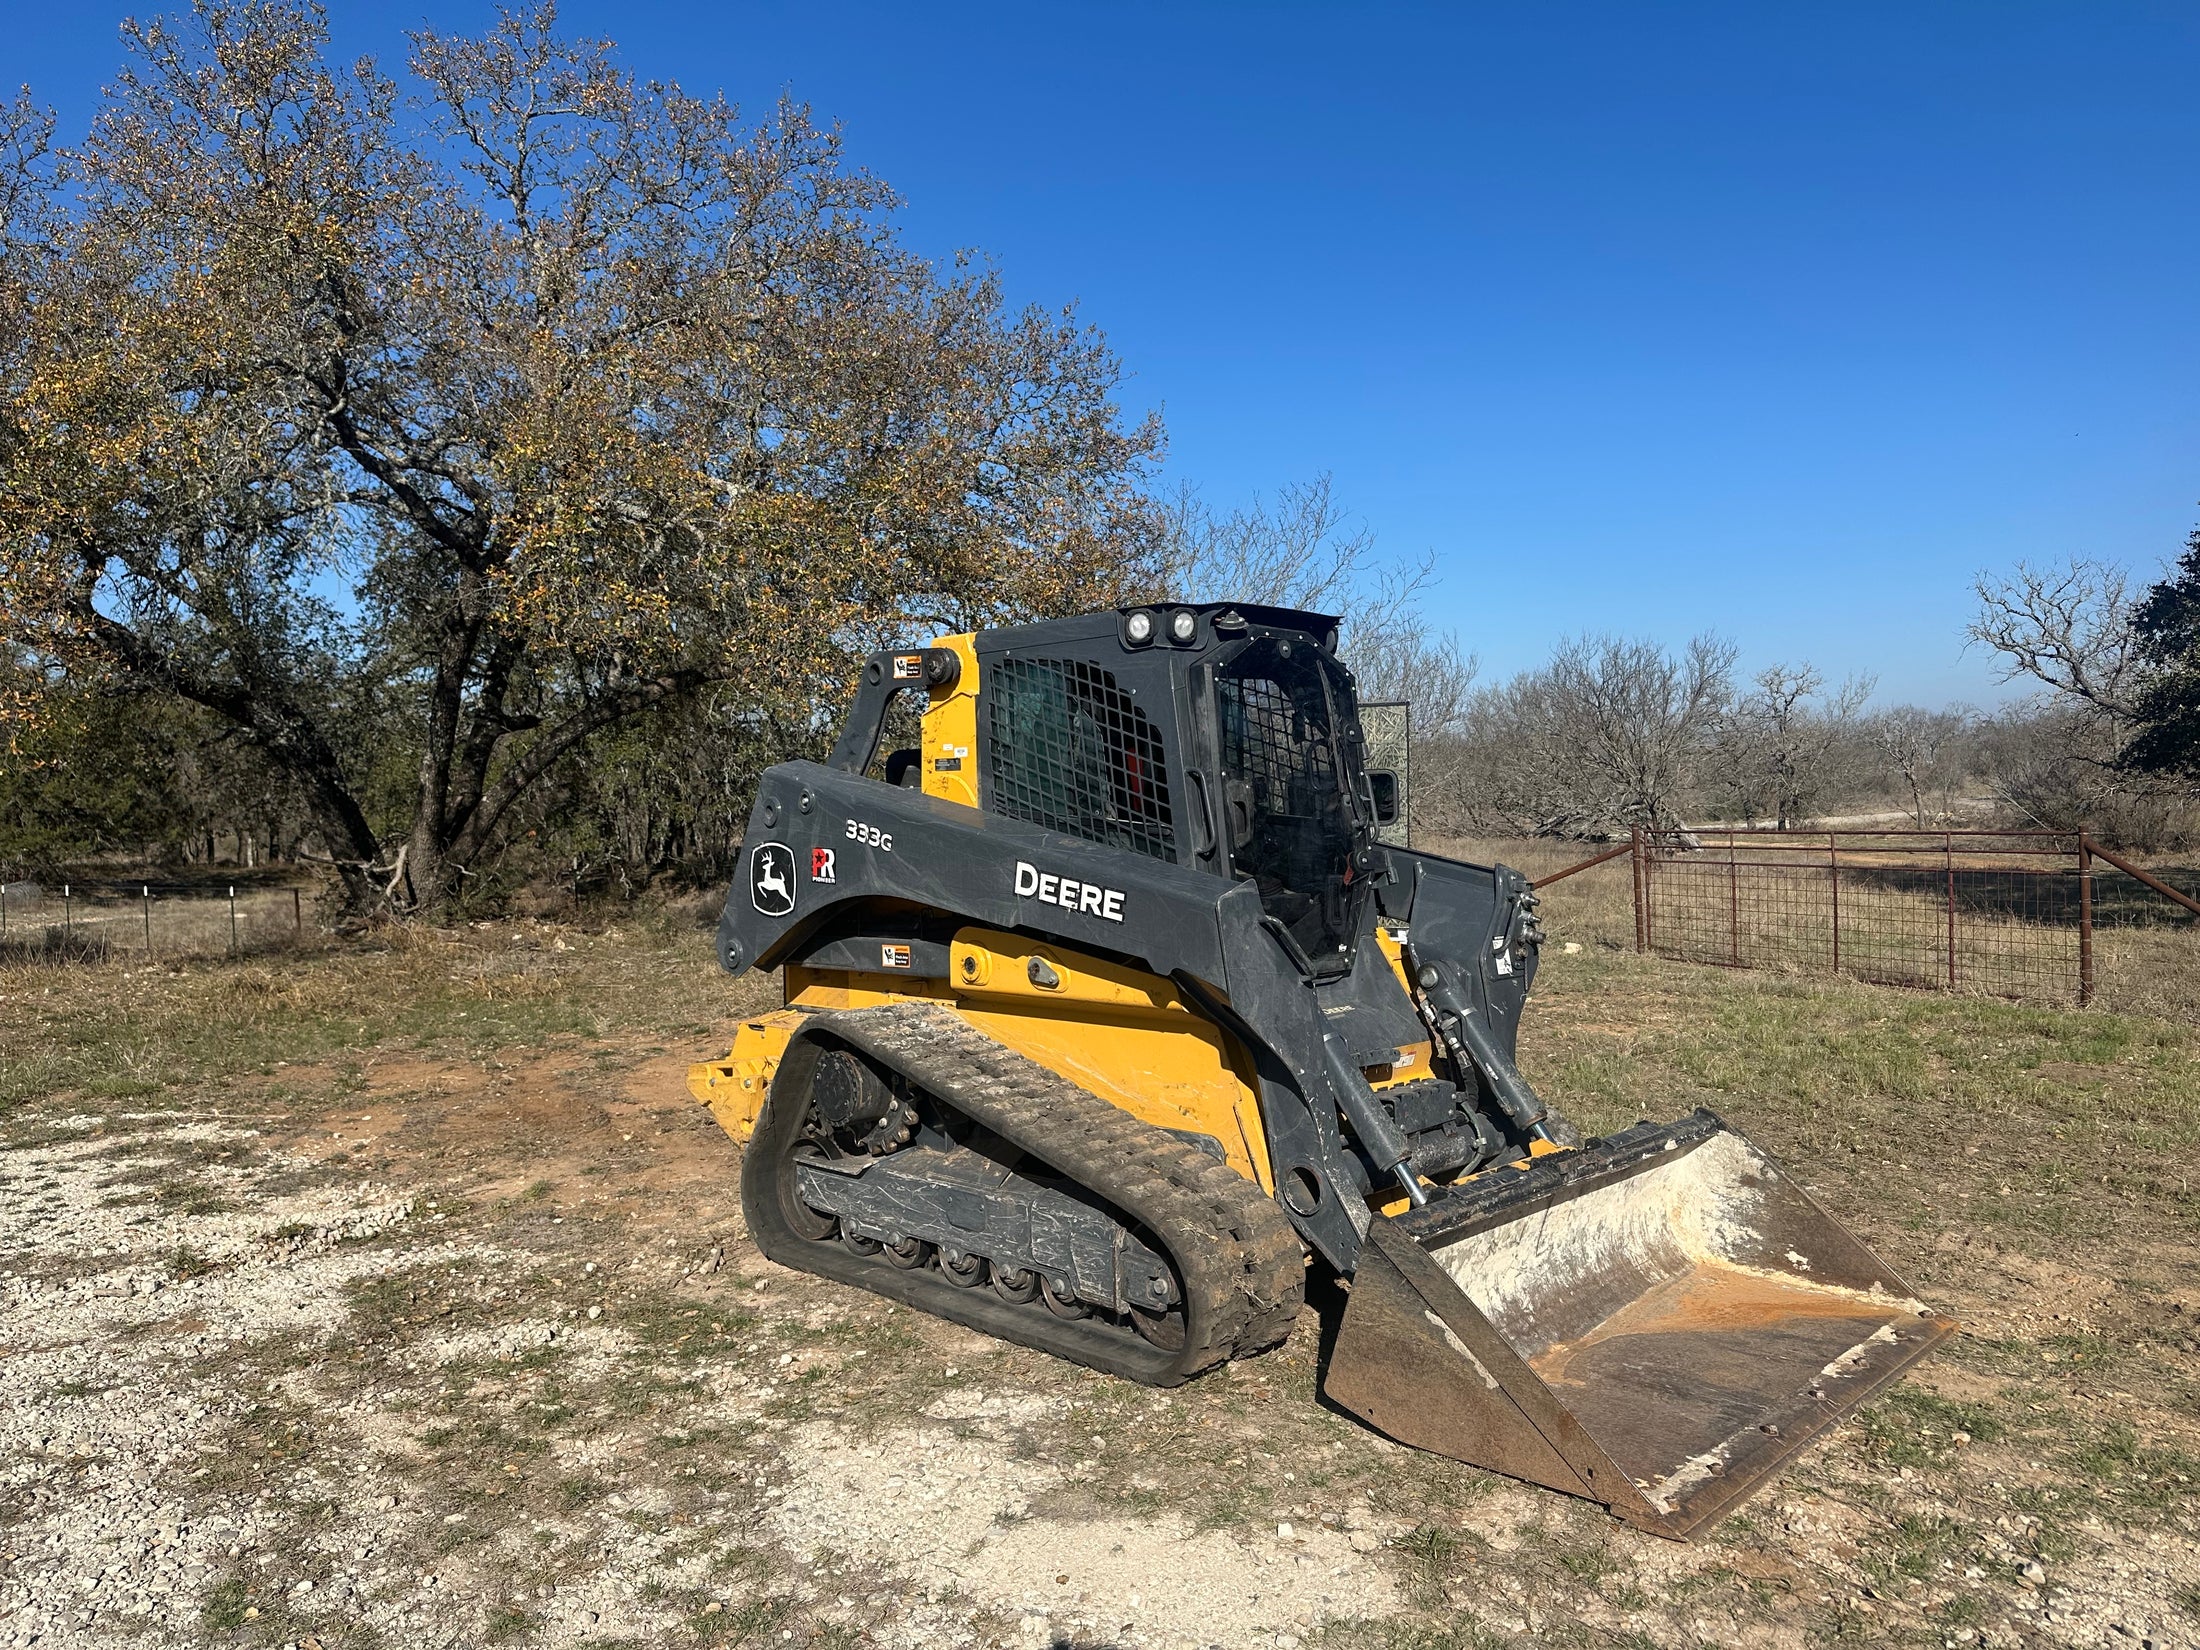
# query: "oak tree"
{"type": "Point", "coordinates": [526, 394]}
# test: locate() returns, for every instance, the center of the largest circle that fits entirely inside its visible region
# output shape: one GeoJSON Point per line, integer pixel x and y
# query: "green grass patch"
{"type": "Point", "coordinates": [1915, 1547]}
{"type": "Point", "coordinates": [2131, 1477]}
{"type": "Point", "coordinates": [581, 1490]}
{"type": "Point", "coordinates": [1914, 1428]}
{"type": "Point", "coordinates": [669, 1324]}
{"type": "Point", "coordinates": [223, 1605]}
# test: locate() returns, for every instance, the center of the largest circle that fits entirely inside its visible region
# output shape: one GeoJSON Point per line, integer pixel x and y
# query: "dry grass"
{"type": "Point", "coordinates": [691, 1467]}
{"type": "Point", "coordinates": [2153, 969]}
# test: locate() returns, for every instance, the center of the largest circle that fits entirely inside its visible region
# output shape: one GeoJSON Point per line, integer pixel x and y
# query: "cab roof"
{"type": "Point", "coordinates": [1106, 623]}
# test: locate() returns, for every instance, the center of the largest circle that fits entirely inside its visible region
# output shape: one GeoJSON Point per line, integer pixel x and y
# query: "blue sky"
{"type": "Point", "coordinates": [1775, 320]}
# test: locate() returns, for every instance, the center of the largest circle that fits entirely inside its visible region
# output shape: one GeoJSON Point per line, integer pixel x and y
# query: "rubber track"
{"type": "Point", "coordinates": [1240, 1262]}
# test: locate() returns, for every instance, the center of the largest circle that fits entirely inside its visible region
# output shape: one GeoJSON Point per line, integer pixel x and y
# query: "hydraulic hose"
{"type": "Point", "coordinates": [1378, 1130]}
{"type": "Point", "coordinates": [1469, 1043]}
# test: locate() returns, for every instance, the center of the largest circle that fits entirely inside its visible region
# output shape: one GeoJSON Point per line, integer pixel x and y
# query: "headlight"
{"type": "Point", "coordinates": [1183, 627]}
{"type": "Point", "coordinates": [1139, 629]}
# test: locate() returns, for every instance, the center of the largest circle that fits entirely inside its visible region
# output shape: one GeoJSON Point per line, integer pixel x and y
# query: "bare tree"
{"type": "Point", "coordinates": [1295, 548]}
{"type": "Point", "coordinates": [1610, 734]}
{"type": "Point", "coordinates": [2065, 763]}
{"type": "Point", "coordinates": [1775, 750]}
{"type": "Point", "coordinates": [2067, 628]}
{"type": "Point", "coordinates": [2045, 766]}
{"type": "Point", "coordinates": [1922, 748]}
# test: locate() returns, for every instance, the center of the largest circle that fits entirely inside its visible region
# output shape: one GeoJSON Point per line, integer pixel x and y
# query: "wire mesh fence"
{"type": "Point", "coordinates": [2033, 916]}
{"type": "Point", "coordinates": [1990, 912]}
{"type": "Point", "coordinates": [85, 921]}
{"type": "Point", "coordinates": [2143, 924]}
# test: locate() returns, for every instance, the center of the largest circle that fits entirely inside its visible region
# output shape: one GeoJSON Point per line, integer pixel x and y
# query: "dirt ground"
{"type": "Point", "coordinates": [400, 1297]}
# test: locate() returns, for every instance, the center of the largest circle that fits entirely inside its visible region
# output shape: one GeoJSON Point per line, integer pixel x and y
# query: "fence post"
{"type": "Point", "coordinates": [3, 907]}
{"type": "Point", "coordinates": [68, 916]}
{"type": "Point", "coordinates": [1733, 906]}
{"type": "Point", "coordinates": [1642, 909]}
{"type": "Point", "coordinates": [1948, 848]}
{"type": "Point", "coordinates": [145, 896]}
{"type": "Point", "coordinates": [2085, 920]}
{"type": "Point", "coordinates": [297, 916]}
{"type": "Point", "coordinates": [232, 919]}
{"type": "Point", "coordinates": [1833, 872]}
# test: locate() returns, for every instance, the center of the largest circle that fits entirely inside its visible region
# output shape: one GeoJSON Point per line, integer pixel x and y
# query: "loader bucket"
{"type": "Point", "coordinates": [1656, 1321]}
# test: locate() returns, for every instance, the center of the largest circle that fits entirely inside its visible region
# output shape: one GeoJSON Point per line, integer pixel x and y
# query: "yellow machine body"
{"type": "Point", "coordinates": [1124, 1035]}
{"type": "Point", "coordinates": [950, 762]}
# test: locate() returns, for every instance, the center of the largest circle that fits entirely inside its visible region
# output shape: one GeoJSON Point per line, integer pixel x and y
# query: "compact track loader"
{"type": "Point", "coordinates": [1106, 1009]}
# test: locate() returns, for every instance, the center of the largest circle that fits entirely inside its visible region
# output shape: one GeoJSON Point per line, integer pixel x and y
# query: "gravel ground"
{"type": "Point", "coordinates": [455, 1339]}
{"type": "Point", "coordinates": [156, 1486]}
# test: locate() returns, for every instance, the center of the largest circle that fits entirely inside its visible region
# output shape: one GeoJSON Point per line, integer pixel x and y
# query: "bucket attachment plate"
{"type": "Point", "coordinates": [1656, 1321]}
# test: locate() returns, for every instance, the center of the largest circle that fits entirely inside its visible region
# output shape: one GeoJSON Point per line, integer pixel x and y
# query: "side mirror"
{"type": "Point", "coordinates": [1382, 791]}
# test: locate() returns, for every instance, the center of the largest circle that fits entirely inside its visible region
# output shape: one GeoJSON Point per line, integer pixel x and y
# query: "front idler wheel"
{"type": "Point", "coordinates": [1164, 1329]}
{"type": "Point", "coordinates": [815, 1224]}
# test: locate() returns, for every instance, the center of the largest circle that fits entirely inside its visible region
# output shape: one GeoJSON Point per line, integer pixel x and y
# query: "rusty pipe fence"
{"type": "Point", "coordinates": [2037, 916]}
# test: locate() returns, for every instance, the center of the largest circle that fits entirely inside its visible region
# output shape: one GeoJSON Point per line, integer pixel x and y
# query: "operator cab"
{"type": "Point", "coordinates": [1223, 736]}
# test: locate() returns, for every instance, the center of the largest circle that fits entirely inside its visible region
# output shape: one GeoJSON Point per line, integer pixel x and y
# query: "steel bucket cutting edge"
{"type": "Point", "coordinates": [1656, 1321]}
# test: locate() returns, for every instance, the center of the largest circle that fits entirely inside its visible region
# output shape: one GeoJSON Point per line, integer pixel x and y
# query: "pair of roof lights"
{"type": "Point", "coordinates": [1183, 626]}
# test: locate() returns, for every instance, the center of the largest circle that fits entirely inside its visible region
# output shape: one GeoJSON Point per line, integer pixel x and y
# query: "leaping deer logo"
{"type": "Point", "coordinates": [771, 880]}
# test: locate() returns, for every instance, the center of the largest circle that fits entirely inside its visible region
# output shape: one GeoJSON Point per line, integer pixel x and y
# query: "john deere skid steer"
{"type": "Point", "coordinates": [1107, 1010]}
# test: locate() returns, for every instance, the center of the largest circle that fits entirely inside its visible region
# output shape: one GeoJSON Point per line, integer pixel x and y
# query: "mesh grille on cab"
{"type": "Point", "coordinates": [1070, 751]}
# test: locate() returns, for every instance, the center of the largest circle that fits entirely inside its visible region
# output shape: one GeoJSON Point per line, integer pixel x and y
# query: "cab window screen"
{"type": "Point", "coordinates": [1068, 750]}
{"type": "Point", "coordinates": [1291, 829]}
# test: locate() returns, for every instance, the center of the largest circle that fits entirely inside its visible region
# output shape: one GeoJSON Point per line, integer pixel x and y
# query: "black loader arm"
{"type": "Point", "coordinates": [1473, 946]}
{"type": "Point", "coordinates": [885, 675]}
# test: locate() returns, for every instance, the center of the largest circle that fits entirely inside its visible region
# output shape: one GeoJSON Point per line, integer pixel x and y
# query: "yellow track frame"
{"type": "Point", "coordinates": [1124, 1035]}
